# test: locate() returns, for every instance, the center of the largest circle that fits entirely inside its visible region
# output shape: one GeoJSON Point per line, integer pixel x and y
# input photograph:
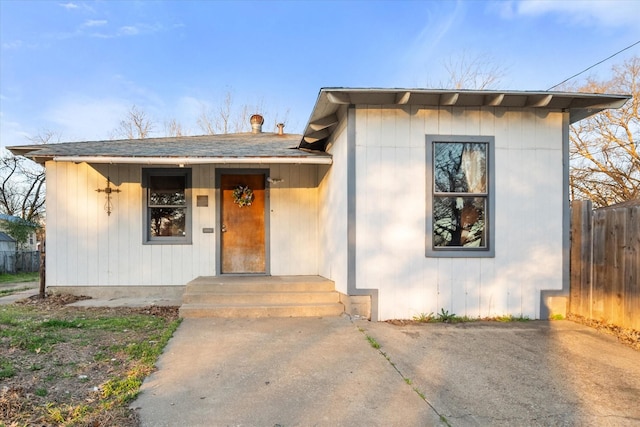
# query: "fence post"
{"type": "Point", "coordinates": [580, 258]}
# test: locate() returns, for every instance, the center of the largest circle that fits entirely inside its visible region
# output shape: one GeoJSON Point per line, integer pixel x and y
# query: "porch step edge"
{"type": "Point", "coordinates": [260, 287]}
{"type": "Point", "coordinates": [262, 310]}
{"type": "Point", "coordinates": [260, 297]}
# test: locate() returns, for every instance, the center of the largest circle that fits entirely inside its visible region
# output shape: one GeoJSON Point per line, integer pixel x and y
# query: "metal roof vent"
{"type": "Point", "coordinates": [256, 123]}
{"type": "Point", "coordinates": [280, 128]}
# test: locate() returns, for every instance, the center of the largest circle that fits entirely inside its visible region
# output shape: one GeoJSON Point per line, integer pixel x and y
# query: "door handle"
{"type": "Point", "coordinates": [224, 228]}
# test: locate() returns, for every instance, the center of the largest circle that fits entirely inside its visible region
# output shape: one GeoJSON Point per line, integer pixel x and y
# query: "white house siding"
{"type": "Point", "coordinates": [87, 247]}
{"type": "Point", "coordinates": [333, 213]}
{"type": "Point", "coordinates": [390, 176]}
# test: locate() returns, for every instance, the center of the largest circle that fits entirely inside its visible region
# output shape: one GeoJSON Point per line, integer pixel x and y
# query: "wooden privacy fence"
{"type": "Point", "coordinates": [605, 263]}
{"type": "Point", "coordinates": [19, 262]}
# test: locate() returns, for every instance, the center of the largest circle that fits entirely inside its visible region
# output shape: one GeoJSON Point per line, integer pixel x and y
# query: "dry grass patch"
{"type": "Point", "coordinates": [73, 366]}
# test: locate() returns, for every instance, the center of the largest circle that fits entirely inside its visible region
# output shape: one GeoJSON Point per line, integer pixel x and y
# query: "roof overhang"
{"type": "Point", "coordinates": [324, 116]}
{"type": "Point", "coordinates": [260, 148]}
{"type": "Point", "coordinates": [182, 161]}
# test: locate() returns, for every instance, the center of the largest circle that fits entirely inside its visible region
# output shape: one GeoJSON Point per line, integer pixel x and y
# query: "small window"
{"type": "Point", "coordinates": [167, 205]}
{"type": "Point", "coordinates": [460, 199]}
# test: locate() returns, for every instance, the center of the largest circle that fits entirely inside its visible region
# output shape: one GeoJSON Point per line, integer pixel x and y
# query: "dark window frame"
{"type": "Point", "coordinates": [148, 239]}
{"type": "Point", "coordinates": [488, 250]}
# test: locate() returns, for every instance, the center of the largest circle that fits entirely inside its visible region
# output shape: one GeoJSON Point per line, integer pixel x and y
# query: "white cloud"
{"type": "Point", "coordinates": [580, 12]}
{"type": "Point", "coordinates": [192, 107]}
{"type": "Point", "coordinates": [15, 44]}
{"type": "Point", "coordinates": [133, 30]}
{"type": "Point", "coordinates": [69, 5]}
{"type": "Point", "coordinates": [95, 116]}
{"type": "Point", "coordinates": [418, 55]}
{"type": "Point", "coordinates": [75, 6]}
{"type": "Point", "coordinates": [12, 133]}
{"type": "Point", "coordinates": [140, 94]}
{"type": "Point", "coordinates": [94, 23]}
{"type": "Point", "coordinates": [130, 30]}
{"type": "Point", "coordinates": [83, 118]}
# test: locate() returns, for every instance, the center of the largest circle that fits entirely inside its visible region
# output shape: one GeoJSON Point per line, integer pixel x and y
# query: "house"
{"type": "Point", "coordinates": [412, 200]}
{"type": "Point", "coordinates": [31, 243]}
{"type": "Point", "coordinates": [7, 253]}
{"type": "Point", "coordinates": [7, 243]}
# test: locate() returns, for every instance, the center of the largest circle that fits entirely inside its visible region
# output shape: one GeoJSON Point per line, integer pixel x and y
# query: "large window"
{"type": "Point", "coordinates": [167, 205]}
{"type": "Point", "coordinates": [460, 196]}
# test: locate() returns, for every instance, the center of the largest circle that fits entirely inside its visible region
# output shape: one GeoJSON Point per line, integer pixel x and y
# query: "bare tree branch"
{"type": "Point", "coordinates": [22, 183]}
{"type": "Point", "coordinates": [205, 121]}
{"type": "Point", "coordinates": [604, 156]}
{"type": "Point", "coordinates": [479, 72]}
{"type": "Point", "coordinates": [225, 118]}
{"type": "Point", "coordinates": [137, 125]}
{"type": "Point", "coordinates": [173, 128]}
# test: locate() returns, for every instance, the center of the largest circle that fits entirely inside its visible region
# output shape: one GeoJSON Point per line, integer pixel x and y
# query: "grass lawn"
{"type": "Point", "coordinates": [19, 277]}
{"type": "Point", "coordinates": [66, 366]}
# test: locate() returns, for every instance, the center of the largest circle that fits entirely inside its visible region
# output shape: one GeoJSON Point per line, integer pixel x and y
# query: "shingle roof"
{"type": "Point", "coordinates": [223, 146]}
{"type": "Point", "coordinates": [4, 237]}
{"type": "Point", "coordinates": [5, 217]}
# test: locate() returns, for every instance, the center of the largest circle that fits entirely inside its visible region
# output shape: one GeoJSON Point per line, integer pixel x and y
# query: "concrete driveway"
{"type": "Point", "coordinates": [326, 372]}
{"type": "Point", "coordinates": [29, 289]}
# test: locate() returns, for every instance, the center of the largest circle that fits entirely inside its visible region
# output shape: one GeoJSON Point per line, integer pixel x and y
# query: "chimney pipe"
{"type": "Point", "coordinates": [280, 128]}
{"type": "Point", "coordinates": [256, 123]}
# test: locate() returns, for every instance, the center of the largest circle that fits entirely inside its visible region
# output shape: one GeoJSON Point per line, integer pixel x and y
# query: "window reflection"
{"type": "Point", "coordinates": [460, 199]}
{"type": "Point", "coordinates": [459, 221]}
{"type": "Point", "coordinates": [460, 167]}
{"type": "Point", "coordinates": [167, 205]}
{"type": "Point", "coordinates": [167, 222]}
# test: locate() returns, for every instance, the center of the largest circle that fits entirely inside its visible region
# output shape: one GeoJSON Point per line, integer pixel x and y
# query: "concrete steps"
{"type": "Point", "coordinates": [260, 296]}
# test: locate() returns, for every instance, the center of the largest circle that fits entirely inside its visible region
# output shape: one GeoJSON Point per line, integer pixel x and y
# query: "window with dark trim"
{"type": "Point", "coordinates": [167, 217]}
{"type": "Point", "coordinates": [460, 196]}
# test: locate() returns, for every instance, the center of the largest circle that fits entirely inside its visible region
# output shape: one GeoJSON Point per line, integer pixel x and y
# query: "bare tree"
{"type": "Point", "coordinates": [221, 119]}
{"type": "Point", "coordinates": [241, 121]}
{"type": "Point", "coordinates": [205, 121]}
{"type": "Point", "coordinates": [22, 183]}
{"type": "Point", "coordinates": [227, 119]}
{"type": "Point", "coordinates": [480, 72]}
{"type": "Point", "coordinates": [224, 114]}
{"type": "Point", "coordinates": [9, 175]}
{"type": "Point", "coordinates": [277, 119]}
{"type": "Point", "coordinates": [173, 128]}
{"type": "Point", "coordinates": [605, 161]}
{"type": "Point", "coordinates": [137, 125]}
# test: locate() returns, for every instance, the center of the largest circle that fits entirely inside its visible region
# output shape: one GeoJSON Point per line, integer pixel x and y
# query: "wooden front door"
{"type": "Point", "coordinates": [242, 224]}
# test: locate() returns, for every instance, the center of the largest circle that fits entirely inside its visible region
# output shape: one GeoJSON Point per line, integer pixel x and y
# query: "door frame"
{"type": "Point", "coordinates": [218, 220]}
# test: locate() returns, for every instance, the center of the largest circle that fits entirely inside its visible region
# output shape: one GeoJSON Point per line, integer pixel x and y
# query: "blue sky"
{"type": "Point", "coordinates": [75, 68]}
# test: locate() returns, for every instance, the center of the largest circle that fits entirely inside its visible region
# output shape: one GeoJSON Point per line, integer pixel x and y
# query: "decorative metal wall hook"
{"type": "Point", "coordinates": [108, 190]}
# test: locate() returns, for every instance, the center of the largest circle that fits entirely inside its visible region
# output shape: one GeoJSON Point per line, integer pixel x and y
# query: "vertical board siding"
{"type": "Point", "coordinates": [88, 247]}
{"type": "Point", "coordinates": [294, 220]}
{"type": "Point", "coordinates": [51, 243]}
{"type": "Point", "coordinates": [202, 262]}
{"type": "Point", "coordinates": [605, 261]}
{"type": "Point", "coordinates": [332, 213]}
{"type": "Point", "coordinates": [632, 269]}
{"type": "Point", "coordinates": [390, 213]}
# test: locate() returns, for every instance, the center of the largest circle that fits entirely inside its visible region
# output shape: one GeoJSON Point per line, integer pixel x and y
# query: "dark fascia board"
{"type": "Point", "coordinates": [24, 150]}
{"type": "Point", "coordinates": [579, 105]}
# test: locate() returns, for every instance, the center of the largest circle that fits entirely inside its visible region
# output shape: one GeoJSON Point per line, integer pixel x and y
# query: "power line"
{"type": "Point", "coordinates": [594, 65]}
